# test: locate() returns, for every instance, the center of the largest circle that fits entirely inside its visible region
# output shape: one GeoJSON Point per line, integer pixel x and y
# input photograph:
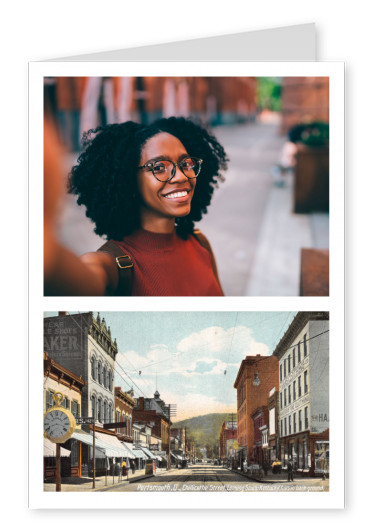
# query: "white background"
{"type": "Point", "coordinates": [43, 29]}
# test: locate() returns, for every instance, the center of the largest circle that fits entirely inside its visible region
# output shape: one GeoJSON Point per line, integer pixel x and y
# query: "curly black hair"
{"type": "Point", "coordinates": [105, 177]}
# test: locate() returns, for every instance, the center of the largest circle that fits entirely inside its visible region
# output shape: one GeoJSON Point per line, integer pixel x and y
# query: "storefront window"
{"type": "Point", "coordinates": [75, 452]}
{"type": "Point", "coordinates": [321, 457]}
{"type": "Point", "coordinates": [306, 465]}
{"type": "Point", "coordinates": [301, 463]}
{"type": "Point", "coordinates": [294, 454]}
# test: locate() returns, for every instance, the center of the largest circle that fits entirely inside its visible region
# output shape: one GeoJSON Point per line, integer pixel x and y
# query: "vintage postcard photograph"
{"type": "Point", "coordinates": [186, 402]}
{"type": "Point", "coordinates": [153, 180]}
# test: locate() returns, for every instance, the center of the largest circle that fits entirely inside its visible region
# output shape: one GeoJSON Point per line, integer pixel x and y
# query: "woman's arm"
{"type": "Point", "coordinates": [67, 274]}
{"type": "Point", "coordinates": [64, 272]}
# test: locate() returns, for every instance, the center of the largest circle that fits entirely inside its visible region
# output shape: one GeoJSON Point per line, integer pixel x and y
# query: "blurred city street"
{"type": "Point", "coordinates": [255, 235]}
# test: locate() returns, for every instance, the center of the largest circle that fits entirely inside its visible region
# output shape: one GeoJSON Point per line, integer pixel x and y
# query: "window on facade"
{"type": "Point", "coordinates": [305, 345]}
{"type": "Point", "coordinates": [49, 399]}
{"type": "Point", "coordinates": [306, 418]}
{"type": "Point", "coordinates": [300, 386]}
{"type": "Point", "coordinates": [284, 368]}
{"type": "Point", "coordinates": [93, 408]}
{"type": "Point", "coordinates": [293, 358]}
{"type": "Point", "coordinates": [300, 420]}
{"type": "Point", "coordinates": [92, 361]}
{"type": "Point", "coordinates": [299, 355]}
{"type": "Point", "coordinates": [289, 363]}
{"type": "Point", "coordinates": [305, 382]}
{"type": "Point", "coordinates": [284, 396]}
{"type": "Point", "coordinates": [294, 424]}
{"type": "Point", "coordinates": [105, 411]}
{"type": "Point", "coordinates": [294, 390]}
{"type": "Point", "coordinates": [100, 411]}
{"type": "Point", "coordinates": [104, 376]}
{"type": "Point", "coordinates": [99, 372]}
{"type": "Point", "coordinates": [110, 381]}
{"type": "Point", "coordinates": [125, 420]}
{"type": "Point", "coordinates": [289, 424]}
{"type": "Point", "coordinates": [281, 428]}
{"type": "Point", "coordinates": [118, 420]}
{"type": "Point", "coordinates": [285, 426]}
{"type": "Point", "coordinates": [75, 409]}
{"type": "Point", "coordinates": [289, 394]}
{"type": "Point", "coordinates": [280, 373]}
{"type": "Point", "coordinates": [280, 399]}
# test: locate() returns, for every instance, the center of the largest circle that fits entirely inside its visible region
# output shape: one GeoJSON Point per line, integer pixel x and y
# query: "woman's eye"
{"type": "Point", "coordinates": [188, 164]}
{"type": "Point", "coordinates": [160, 167]}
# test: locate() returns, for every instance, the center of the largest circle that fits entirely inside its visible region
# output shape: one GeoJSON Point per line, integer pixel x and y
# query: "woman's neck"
{"type": "Point", "coordinates": [159, 225]}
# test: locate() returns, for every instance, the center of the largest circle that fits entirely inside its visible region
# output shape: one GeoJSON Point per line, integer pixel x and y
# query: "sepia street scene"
{"type": "Point", "coordinates": [186, 401]}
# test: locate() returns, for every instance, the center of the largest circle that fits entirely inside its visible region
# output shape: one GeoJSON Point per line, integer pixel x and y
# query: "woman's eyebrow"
{"type": "Point", "coordinates": [167, 157]}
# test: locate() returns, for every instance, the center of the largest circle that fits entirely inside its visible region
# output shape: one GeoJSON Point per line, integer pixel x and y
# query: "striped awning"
{"type": "Point", "coordinates": [148, 452]}
{"type": "Point", "coordinates": [109, 450]}
{"type": "Point", "coordinates": [129, 450]}
{"type": "Point", "coordinates": [49, 449]}
{"type": "Point", "coordinates": [138, 453]}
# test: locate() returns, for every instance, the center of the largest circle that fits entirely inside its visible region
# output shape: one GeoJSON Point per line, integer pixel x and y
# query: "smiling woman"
{"type": "Point", "coordinates": [144, 187]}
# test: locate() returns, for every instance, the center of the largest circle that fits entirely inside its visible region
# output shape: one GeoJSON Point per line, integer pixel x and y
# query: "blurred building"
{"type": "Point", "coordinates": [304, 100]}
{"type": "Point", "coordinates": [83, 103]}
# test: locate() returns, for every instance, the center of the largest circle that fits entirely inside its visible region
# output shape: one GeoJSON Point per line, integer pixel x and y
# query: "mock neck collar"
{"type": "Point", "coordinates": [152, 241]}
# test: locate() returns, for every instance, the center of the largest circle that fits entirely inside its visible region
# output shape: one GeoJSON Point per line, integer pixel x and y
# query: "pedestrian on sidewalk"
{"type": "Point", "coordinates": [144, 187]}
{"type": "Point", "coordinates": [290, 470]}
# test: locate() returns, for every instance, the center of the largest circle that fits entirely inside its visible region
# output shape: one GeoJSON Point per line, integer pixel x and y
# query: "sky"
{"type": "Point", "coordinates": [192, 358]}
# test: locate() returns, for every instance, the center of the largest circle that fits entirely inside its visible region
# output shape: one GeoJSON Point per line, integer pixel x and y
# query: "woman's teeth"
{"type": "Point", "coordinates": [176, 194]}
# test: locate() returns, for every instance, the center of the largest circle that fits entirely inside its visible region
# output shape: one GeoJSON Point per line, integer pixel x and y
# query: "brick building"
{"type": "Point", "coordinates": [227, 439]}
{"type": "Point", "coordinates": [303, 354]}
{"type": "Point", "coordinates": [124, 404]}
{"type": "Point", "coordinates": [256, 376]}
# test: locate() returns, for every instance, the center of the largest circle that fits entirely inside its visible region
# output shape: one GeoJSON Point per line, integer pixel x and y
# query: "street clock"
{"type": "Point", "coordinates": [58, 423]}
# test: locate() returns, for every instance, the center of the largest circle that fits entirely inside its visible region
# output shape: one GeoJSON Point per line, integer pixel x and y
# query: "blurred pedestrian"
{"type": "Point", "coordinates": [144, 187]}
{"type": "Point", "coordinates": [290, 470]}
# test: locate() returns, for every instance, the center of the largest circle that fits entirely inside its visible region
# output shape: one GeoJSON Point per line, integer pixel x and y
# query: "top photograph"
{"type": "Point", "coordinates": [186, 186]}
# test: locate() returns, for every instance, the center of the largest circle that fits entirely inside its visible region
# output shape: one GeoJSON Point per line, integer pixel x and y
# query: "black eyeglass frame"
{"type": "Point", "coordinates": [150, 165]}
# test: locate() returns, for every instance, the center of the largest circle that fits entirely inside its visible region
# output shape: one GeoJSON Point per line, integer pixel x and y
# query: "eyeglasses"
{"type": "Point", "coordinates": [165, 170]}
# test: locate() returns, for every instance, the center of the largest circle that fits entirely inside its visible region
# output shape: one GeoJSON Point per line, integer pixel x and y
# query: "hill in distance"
{"type": "Point", "coordinates": [205, 429]}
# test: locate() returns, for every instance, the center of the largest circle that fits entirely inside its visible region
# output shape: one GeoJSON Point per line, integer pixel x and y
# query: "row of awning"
{"type": "Point", "coordinates": [105, 446]}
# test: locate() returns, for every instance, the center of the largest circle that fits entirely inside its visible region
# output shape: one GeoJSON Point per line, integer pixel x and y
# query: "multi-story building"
{"type": "Point", "coordinates": [227, 439]}
{"type": "Point", "coordinates": [271, 451]}
{"type": "Point", "coordinates": [256, 376]}
{"type": "Point", "coordinates": [157, 413]}
{"type": "Point", "coordinates": [124, 404]}
{"type": "Point", "coordinates": [83, 344]}
{"type": "Point", "coordinates": [303, 354]}
{"type": "Point", "coordinates": [59, 379]}
{"type": "Point", "coordinates": [260, 419]}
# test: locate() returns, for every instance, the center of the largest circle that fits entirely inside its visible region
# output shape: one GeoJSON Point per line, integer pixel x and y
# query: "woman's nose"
{"type": "Point", "coordinates": [178, 175]}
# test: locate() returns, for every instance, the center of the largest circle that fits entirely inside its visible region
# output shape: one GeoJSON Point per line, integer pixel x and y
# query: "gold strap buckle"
{"type": "Point", "coordinates": [125, 266]}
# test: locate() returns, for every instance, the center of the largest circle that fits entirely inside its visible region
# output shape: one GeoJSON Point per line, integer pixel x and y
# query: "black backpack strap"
{"type": "Point", "coordinates": [204, 242]}
{"type": "Point", "coordinates": [124, 265]}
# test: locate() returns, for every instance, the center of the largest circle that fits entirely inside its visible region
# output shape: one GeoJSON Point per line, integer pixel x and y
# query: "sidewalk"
{"type": "Point", "coordinates": [85, 484]}
{"type": "Point", "coordinates": [282, 478]}
{"type": "Point", "coordinates": [276, 266]}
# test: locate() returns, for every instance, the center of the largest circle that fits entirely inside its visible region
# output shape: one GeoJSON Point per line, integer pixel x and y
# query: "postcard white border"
{"type": "Point", "coordinates": [334, 303]}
